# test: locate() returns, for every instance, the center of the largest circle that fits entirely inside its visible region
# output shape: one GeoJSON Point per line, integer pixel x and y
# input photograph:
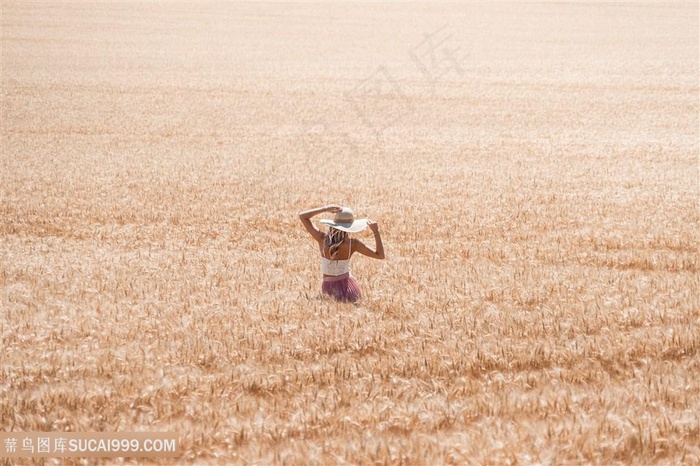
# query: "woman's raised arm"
{"type": "Point", "coordinates": [378, 253]}
{"type": "Point", "coordinates": [306, 220]}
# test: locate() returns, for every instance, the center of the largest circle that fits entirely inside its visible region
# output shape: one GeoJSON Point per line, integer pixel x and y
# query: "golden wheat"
{"type": "Point", "coordinates": [538, 202]}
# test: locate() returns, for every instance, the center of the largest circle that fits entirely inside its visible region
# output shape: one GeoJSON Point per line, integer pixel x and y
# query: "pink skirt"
{"type": "Point", "coordinates": [342, 288]}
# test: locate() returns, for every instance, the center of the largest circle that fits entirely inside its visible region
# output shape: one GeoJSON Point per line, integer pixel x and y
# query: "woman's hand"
{"type": "Point", "coordinates": [378, 253]}
{"type": "Point", "coordinates": [313, 212]}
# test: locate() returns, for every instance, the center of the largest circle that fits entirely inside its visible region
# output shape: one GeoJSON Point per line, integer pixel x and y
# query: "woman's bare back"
{"type": "Point", "coordinates": [344, 250]}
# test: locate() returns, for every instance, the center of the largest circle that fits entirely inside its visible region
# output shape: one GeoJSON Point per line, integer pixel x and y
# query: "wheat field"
{"type": "Point", "coordinates": [533, 168]}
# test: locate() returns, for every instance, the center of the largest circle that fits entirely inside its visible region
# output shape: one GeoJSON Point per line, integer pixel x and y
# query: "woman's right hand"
{"type": "Point", "coordinates": [374, 226]}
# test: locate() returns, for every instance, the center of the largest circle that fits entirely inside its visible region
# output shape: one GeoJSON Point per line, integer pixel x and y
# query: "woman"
{"type": "Point", "coordinates": [337, 248]}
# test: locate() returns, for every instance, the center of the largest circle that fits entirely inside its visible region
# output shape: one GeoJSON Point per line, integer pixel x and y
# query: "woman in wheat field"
{"type": "Point", "coordinates": [337, 248]}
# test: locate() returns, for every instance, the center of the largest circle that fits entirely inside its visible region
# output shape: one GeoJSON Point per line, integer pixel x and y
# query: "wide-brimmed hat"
{"type": "Point", "coordinates": [345, 221]}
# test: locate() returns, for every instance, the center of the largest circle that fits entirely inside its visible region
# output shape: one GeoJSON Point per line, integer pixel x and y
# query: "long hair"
{"type": "Point", "coordinates": [333, 240]}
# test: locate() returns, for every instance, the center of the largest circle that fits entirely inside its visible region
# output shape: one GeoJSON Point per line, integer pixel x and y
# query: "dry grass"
{"type": "Point", "coordinates": [539, 206]}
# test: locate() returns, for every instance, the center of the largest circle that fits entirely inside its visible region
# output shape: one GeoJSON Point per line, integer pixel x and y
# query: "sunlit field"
{"type": "Point", "coordinates": [533, 169]}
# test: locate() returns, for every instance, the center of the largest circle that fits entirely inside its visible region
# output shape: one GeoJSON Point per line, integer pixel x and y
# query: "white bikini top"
{"type": "Point", "coordinates": [335, 267]}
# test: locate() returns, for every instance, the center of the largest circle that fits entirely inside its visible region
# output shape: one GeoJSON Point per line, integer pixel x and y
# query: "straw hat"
{"type": "Point", "coordinates": [345, 221]}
